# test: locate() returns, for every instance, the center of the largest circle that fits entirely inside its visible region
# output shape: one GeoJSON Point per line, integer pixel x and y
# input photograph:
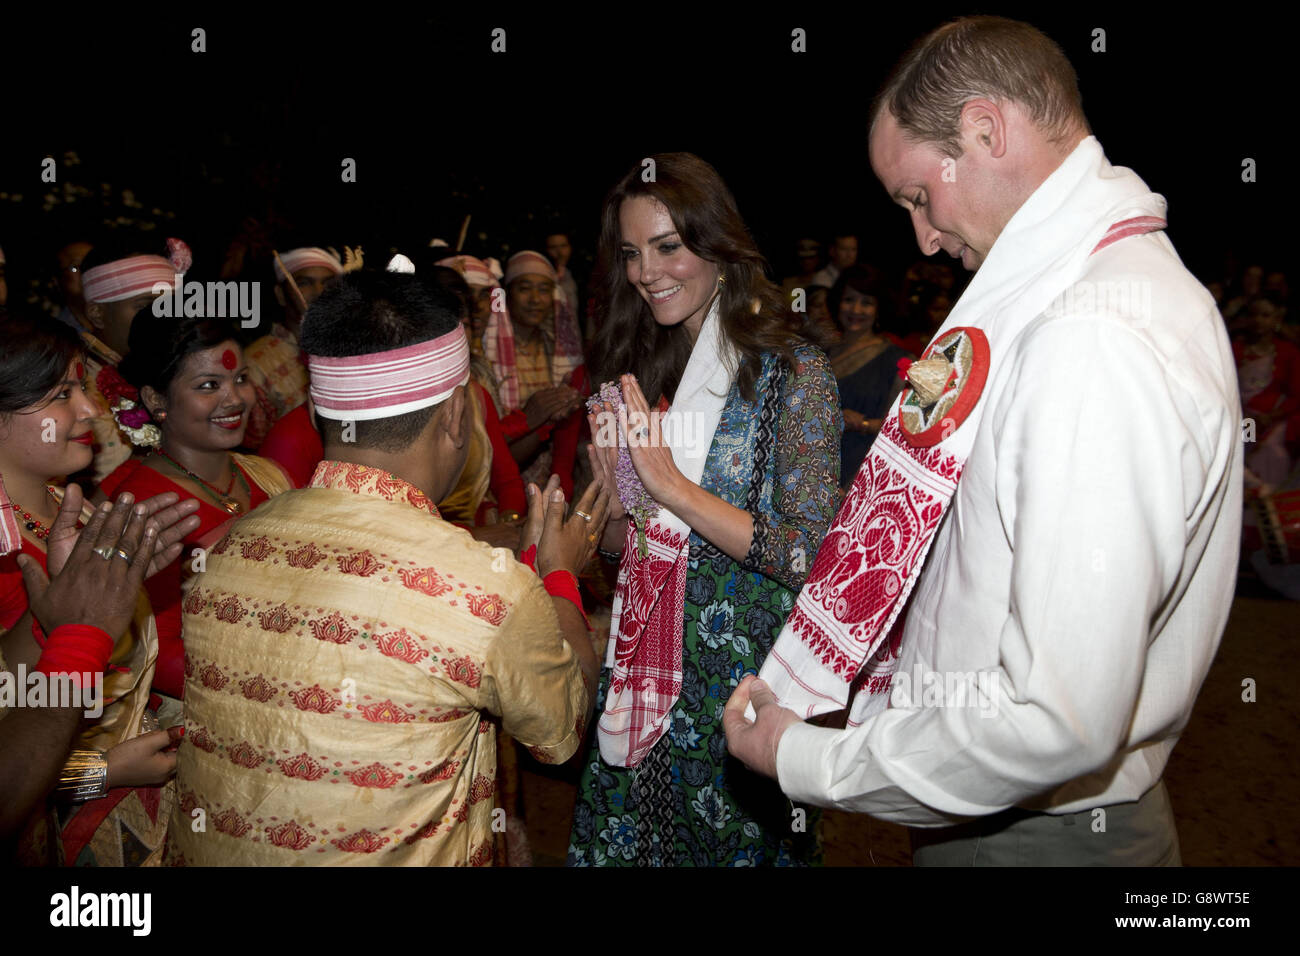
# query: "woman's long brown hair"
{"type": "Point", "coordinates": [709, 224]}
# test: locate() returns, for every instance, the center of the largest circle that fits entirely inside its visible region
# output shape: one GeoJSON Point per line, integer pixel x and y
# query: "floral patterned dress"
{"type": "Point", "coordinates": [689, 802]}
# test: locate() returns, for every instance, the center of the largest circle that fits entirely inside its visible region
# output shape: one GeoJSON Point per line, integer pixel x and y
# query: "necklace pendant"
{"type": "Point", "coordinates": [231, 505]}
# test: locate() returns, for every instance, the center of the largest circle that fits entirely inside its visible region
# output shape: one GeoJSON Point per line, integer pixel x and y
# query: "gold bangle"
{"type": "Point", "coordinates": [84, 776]}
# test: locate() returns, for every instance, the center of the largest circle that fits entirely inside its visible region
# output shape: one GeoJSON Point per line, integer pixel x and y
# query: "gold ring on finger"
{"type": "Point", "coordinates": [124, 555]}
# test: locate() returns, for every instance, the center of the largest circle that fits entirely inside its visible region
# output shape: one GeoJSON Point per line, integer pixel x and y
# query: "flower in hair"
{"type": "Point", "coordinates": [136, 424]}
{"type": "Point", "coordinates": [179, 254]}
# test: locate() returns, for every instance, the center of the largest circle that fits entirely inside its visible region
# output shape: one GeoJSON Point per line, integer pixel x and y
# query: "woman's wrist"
{"type": "Point", "coordinates": [678, 497]}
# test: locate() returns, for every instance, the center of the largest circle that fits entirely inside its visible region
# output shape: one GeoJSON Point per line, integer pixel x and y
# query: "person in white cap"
{"type": "Point", "coordinates": [274, 368]}
{"type": "Point", "coordinates": [536, 352]}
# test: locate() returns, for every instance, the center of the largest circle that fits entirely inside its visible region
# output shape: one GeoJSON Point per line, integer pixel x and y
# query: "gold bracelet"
{"type": "Point", "coordinates": [84, 776]}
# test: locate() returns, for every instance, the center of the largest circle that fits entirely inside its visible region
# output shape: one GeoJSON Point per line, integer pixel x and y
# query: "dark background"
{"type": "Point", "coordinates": [440, 126]}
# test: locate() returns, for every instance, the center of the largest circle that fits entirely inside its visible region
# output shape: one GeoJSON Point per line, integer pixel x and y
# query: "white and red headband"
{"type": "Point", "coordinates": [384, 384]}
{"type": "Point", "coordinates": [475, 272]}
{"type": "Point", "coordinates": [529, 263]}
{"type": "Point", "coordinates": [126, 278]}
{"type": "Point", "coordinates": [307, 257]}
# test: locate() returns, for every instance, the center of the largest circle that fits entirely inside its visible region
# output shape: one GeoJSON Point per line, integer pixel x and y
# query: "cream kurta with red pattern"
{"type": "Point", "coordinates": [344, 649]}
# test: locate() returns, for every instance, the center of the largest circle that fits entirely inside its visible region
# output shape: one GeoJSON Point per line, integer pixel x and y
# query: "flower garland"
{"type": "Point", "coordinates": [132, 418]}
{"type": "Point", "coordinates": [636, 501]}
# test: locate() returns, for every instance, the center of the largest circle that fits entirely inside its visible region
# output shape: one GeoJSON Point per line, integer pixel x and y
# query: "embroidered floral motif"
{"type": "Point", "coordinates": [277, 619]}
{"type": "Point", "coordinates": [333, 629]}
{"type": "Point", "coordinates": [305, 557]}
{"type": "Point", "coordinates": [256, 550]}
{"type": "Point", "coordinates": [257, 688]}
{"type": "Point", "coordinates": [385, 712]}
{"type": "Point", "coordinates": [425, 580]}
{"type": "Point", "coordinates": [463, 671]}
{"type": "Point", "coordinates": [301, 767]}
{"type": "Point", "coordinates": [231, 823]}
{"type": "Point", "coordinates": [491, 607]}
{"type": "Point", "coordinates": [201, 740]}
{"type": "Point", "coordinates": [194, 602]}
{"type": "Point", "coordinates": [426, 831]}
{"type": "Point", "coordinates": [401, 645]}
{"type": "Point", "coordinates": [315, 698]}
{"type": "Point", "coordinates": [362, 841]}
{"type": "Point", "coordinates": [443, 771]}
{"type": "Point", "coordinates": [373, 481]}
{"type": "Point", "coordinates": [290, 836]}
{"type": "Point", "coordinates": [244, 755]}
{"type": "Point", "coordinates": [212, 677]}
{"type": "Point", "coordinates": [481, 789]}
{"type": "Point", "coordinates": [230, 610]}
{"type": "Point", "coordinates": [362, 564]}
{"type": "Point", "coordinates": [376, 775]}
{"type": "Point", "coordinates": [482, 856]}
{"type": "Point", "coordinates": [540, 755]}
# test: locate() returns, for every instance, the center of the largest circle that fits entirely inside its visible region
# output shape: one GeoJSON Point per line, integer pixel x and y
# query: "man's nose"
{"type": "Point", "coordinates": [927, 237]}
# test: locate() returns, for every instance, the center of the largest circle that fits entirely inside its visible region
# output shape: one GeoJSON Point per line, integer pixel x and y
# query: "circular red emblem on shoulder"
{"type": "Point", "coordinates": [228, 359]}
{"type": "Point", "coordinates": [943, 386]}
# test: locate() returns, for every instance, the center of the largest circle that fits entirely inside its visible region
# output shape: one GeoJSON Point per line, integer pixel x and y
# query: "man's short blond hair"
{"type": "Point", "coordinates": [991, 57]}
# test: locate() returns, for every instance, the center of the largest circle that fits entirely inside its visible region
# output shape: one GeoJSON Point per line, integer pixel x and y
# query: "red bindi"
{"type": "Point", "coordinates": [81, 371]}
{"type": "Point", "coordinates": [228, 359]}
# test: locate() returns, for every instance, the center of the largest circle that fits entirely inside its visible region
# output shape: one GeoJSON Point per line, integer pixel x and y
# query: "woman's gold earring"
{"type": "Point", "coordinates": [722, 279]}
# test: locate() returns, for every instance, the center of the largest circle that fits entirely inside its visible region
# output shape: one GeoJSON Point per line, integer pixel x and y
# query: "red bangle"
{"type": "Point", "coordinates": [76, 649]}
{"type": "Point", "coordinates": [564, 584]}
{"type": "Point", "coordinates": [529, 557]}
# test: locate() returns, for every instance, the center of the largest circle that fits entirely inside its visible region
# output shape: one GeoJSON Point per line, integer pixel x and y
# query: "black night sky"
{"type": "Point", "coordinates": [440, 126]}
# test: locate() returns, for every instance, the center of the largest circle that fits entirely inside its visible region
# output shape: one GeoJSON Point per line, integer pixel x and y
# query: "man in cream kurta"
{"type": "Point", "coordinates": [345, 649]}
{"type": "Point", "coordinates": [1077, 588]}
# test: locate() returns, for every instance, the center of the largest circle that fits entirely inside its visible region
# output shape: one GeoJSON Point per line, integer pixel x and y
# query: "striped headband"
{"type": "Point", "coordinates": [526, 263]}
{"type": "Point", "coordinates": [307, 257]}
{"type": "Point", "coordinates": [474, 271]}
{"type": "Point", "coordinates": [384, 384]}
{"type": "Point", "coordinates": [126, 278]}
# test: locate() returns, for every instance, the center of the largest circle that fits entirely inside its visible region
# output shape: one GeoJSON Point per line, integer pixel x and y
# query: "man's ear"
{"type": "Point", "coordinates": [984, 126]}
{"type": "Point", "coordinates": [95, 314]}
{"type": "Point", "coordinates": [455, 416]}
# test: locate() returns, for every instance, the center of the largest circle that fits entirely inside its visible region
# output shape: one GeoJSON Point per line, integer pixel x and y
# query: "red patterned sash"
{"type": "Point", "coordinates": [857, 589]}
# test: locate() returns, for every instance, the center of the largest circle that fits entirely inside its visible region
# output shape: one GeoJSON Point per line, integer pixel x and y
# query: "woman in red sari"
{"type": "Point", "coordinates": [194, 398]}
{"type": "Point", "coordinates": [45, 433]}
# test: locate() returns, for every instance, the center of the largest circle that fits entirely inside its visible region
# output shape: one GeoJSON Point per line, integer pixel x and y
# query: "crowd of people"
{"type": "Point", "coordinates": [339, 566]}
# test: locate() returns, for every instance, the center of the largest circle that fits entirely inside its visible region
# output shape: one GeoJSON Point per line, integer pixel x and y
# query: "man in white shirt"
{"type": "Point", "coordinates": [1034, 667]}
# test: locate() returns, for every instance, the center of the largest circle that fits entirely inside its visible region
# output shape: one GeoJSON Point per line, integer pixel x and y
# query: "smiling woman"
{"type": "Point", "coordinates": [743, 504]}
{"type": "Point", "coordinates": [45, 416]}
{"type": "Point", "coordinates": [193, 384]}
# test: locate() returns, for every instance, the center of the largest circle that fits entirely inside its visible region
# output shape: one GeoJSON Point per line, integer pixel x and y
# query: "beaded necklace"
{"type": "Point", "coordinates": [223, 497]}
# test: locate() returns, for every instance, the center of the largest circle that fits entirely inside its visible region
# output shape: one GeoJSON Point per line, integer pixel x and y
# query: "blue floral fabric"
{"type": "Point", "coordinates": [689, 802]}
